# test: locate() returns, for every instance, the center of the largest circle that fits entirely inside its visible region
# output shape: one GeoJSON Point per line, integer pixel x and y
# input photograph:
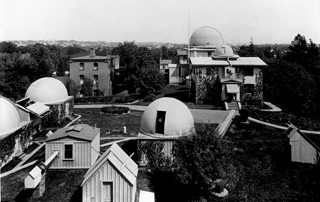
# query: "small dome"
{"type": "Point", "coordinates": [47, 90]}
{"type": "Point", "coordinates": [223, 50]}
{"type": "Point", "coordinates": [167, 118]}
{"type": "Point", "coordinates": [9, 117]}
{"type": "Point", "coordinates": [206, 36]}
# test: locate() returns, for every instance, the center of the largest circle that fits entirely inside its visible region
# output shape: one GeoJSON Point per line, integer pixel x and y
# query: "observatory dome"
{"type": "Point", "coordinates": [224, 50]}
{"type": "Point", "coordinates": [47, 90]}
{"type": "Point", "coordinates": [206, 37]}
{"type": "Point", "coordinates": [167, 118]}
{"type": "Point", "coordinates": [9, 117]}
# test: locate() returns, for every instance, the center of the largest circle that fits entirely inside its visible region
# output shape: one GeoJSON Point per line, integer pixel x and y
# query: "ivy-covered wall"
{"type": "Point", "coordinates": [256, 98]}
{"type": "Point", "coordinates": [151, 154]}
{"type": "Point", "coordinates": [8, 144]}
{"type": "Point", "coordinates": [207, 89]}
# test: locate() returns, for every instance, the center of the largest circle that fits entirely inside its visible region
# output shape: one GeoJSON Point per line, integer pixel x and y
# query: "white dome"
{"type": "Point", "coordinates": [206, 37]}
{"type": "Point", "coordinates": [47, 90]}
{"type": "Point", "coordinates": [223, 50]}
{"type": "Point", "coordinates": [9, 117]}
{"type": "Point", "coordinates": [167, 118]}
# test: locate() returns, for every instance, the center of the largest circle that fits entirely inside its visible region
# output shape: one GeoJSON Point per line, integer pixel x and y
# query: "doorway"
{"type": "Point", "coordinates": [160, 121]}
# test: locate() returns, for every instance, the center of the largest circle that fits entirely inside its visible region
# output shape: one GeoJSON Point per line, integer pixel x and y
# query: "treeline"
{"type": "Point", "coordinates": [20, 66]}
{"type": "Point", "coordinates": [292, 77]}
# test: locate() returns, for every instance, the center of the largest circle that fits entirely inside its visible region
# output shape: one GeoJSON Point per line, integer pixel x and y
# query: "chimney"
{"type": "Point", "coordinates": [92, 53]}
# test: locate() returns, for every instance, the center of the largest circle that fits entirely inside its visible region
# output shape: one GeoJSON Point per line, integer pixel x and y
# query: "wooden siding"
{"type": "Point", "coordinates": [122, 191]}
{"type": "Point", "coordinates": [25, 116]}
{"type": "Point", "coordinates": [95, 148]}
{"type": "Point", "coordinates": [81, 154]}
{"type": "Point", "coordinates": [301, 150]}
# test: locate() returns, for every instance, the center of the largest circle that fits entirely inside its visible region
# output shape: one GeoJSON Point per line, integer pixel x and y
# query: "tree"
{"type": "Point", "coordinates": [134, 63]}
{"type": "Point", "coordinates": [87, 87]}
{"type": "Point", "coordinates": [291, 85]}
{"type": "Point", "coordinates": [45, 66]}
{"type": "Point", "coordinates": [198, 162]}
{"type": "Point", "coordinates": [15, 70]}
{"type": "Point", "coordinates": [8, 47]}
{"type": "Point", "coordinates": [72, 87]}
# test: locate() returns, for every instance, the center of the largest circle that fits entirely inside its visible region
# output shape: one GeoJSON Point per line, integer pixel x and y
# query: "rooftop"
{"type": "Point", "coordinates": [80, 131]}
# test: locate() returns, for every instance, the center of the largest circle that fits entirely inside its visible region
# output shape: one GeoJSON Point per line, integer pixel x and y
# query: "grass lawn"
{"type": "Point", "coordinates": [112, 123]}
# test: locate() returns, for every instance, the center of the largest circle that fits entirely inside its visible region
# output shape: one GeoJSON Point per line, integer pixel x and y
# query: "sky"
{"type": "Point", "coordinates": [173, 21]}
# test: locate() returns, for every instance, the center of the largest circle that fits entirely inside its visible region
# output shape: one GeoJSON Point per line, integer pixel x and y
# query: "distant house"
{"type": "Point", "coordinates": [78, 147]}
{"type": "Point", "coordinates": [97, 68]}
{"type": "Point", "coordinates": [175, 71]}
{"type": "Point", "coordinates": [237, 79]}
{"type": "Point", "coordinates": [113, 177]}
{"type": "Point", "coordinates": [305, 148]}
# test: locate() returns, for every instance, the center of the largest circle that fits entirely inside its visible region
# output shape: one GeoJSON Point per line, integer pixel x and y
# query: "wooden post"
{"type": "Point", "coordinates": [40, 188]}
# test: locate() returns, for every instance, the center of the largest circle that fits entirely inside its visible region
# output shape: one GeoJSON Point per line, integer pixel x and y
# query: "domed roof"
{"type": "Point", "coordinates": [47, 90]}
{"type": "Point", "coordinates": [223, 50]}
{"type": "Point", "coordinates": [206, 36]}
{"type": "Point", "coordinates": [9, 117]}
{"type": "Point", "coordinates": [167, 118]}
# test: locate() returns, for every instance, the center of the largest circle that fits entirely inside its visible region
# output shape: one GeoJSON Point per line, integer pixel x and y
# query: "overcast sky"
{"type": "Point", "coordinates": [266, 21]}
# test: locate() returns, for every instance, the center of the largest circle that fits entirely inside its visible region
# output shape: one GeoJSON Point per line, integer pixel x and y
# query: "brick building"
{"type": "Point", "coordinates": [97, 68]}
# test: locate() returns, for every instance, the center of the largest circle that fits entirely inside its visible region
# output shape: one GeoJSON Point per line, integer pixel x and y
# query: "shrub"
{"type": "Point", "coordinates": [244, 114]}
{"type": "Point", "coordinates": [150, 98]}
{"type": "Point", "coordinates": [115, 110]}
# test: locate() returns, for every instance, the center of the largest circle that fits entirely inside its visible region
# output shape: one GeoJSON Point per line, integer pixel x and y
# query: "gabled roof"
{"type": "Point", "coordinates": [313, 139]}
{"type": "Point", "coordinates": [80, 131]}
{"type": "Point", "coordinates": [120, 160]}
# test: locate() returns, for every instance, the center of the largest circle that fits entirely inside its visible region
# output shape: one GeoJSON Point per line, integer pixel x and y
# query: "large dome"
{"type": "Point", "coordinates": [206, 36]}
{"type": "Point", "coordinates": [10, 118]}
{"type": "Point", "coordinates": [47, 90]}
{"type": "Point", "coordinates": [167, 118]}
{"type": "Point", "coordinates": [223, 50]}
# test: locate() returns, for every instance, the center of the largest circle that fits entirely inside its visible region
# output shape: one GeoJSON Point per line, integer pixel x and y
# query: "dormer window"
{"type": "Point", "coordinates": [95, 66]}
{"type": "Point", "coordinates": [81, 68]}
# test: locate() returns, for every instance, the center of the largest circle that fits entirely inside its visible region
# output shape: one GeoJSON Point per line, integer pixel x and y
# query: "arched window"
{"type": "Point", "coordinates": [81, 79]}
{"type": "Point", "coordinates": [95, 79]}
{"type": "Point", "coordinates": [95, 66]}
{"type": "Point", "coordinates": [81, 66]}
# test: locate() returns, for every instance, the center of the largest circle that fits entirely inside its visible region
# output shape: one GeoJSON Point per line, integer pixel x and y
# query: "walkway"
{"type": "Point", "coordinates": [274, 108]}
{"type": "Point", "coordinates": [281, 127]}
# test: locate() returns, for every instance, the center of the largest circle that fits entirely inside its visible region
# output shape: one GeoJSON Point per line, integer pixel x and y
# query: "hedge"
{"type": "Point", "coordinates": [115, 110]}
{"type": "Point", "coordinates": [107, 99]}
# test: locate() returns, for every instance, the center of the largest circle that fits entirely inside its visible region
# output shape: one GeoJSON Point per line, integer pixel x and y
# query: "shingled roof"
{"type": "Point", "coordinates": [80, 131]}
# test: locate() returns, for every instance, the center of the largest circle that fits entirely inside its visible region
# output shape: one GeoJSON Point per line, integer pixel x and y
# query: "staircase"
{"type": "Point", "coordinates": [233, 105]}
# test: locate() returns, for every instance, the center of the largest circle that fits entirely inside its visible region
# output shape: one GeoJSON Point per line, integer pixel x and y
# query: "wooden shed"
{"type": "Point", "coordinates": [113, 177]}
{"type": "Point", "coordinates": [305, 148]}
{"type": "Point", "coordinates": [78, 147]}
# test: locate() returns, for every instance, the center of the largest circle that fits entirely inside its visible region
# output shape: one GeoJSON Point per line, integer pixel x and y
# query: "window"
{"type": "Point", "coordinates": [81, 79]}
{"type": "Point", "coordinates": [247, 71]}
{"type": "Point", "coordinates": [81, 66]}
{"type": "Point", "coordinates": [95, 66]}
{"type": "Point", "coordinates": [107, 192]}
{"type": "Point", "coordinates": [95, 79]}
{"type": "Point", "coordinates": [68, 151]}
